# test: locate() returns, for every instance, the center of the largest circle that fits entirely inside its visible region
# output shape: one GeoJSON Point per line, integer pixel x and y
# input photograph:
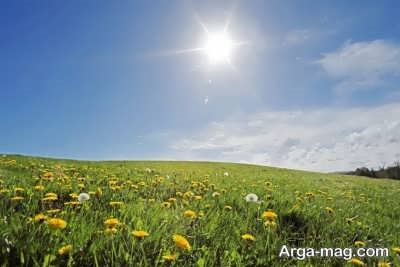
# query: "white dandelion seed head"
{"type": "Point", "coordinates": [251, 198]}
{"type": "Point", "coordinates": [83, 197]}
{"type": "Point", "coordinates": [226, 173]}
{"type": "Point", "coordinates": [148, 170]}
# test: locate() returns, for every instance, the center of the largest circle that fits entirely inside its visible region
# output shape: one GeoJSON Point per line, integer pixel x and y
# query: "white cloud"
{"type": "Point", "coordinates": [320, 139]}
{"type": "Point", "coordinates": [362, 65]}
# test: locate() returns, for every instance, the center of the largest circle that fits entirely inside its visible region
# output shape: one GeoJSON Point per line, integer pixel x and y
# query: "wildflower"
{"type": "Point", "coordinates": [190, 214]}
{"type": "Point", "coordinates": [198, 197]}
{"type": "Point", "coordinates": [188, 194]}
{"type": "Point", "coordinates": [396, 250]}
{"type": "Point", "coordinates": [38, 187]}
{"type": "Point", "coordinates": [72, 203]}
{"type": "Point", "coordinates": [16, 198]}
{"type": "Point", "coordinates": [112, 222]}
{"type": "Point", "coordinates": [53, 195]}
{"type": "Point", "coordinates": [171, 199]}
{"type": "Point", "coordinates": [251, 198]}
{"type": "Point", "coordinates": [181, 242]}
{"type": "Point", "coordinates": [170, 257]}
{"type": "Point", "coordinates": [39, 217]}
{"type": "Point", "coordinates": [111, 231]}
{"type": "Point", "coordinates": [19, 190]}
{"type": "Point", "coordinates": [116, 203]}
{"type": "Point", "coordinates": [226, 174]}
{"type": "Point", "coordinates": [227, 207]}
{"type": "Point", "coordinates": [140, 234]}
{"type": "Point", "coordinates": [53, 211]}
{"type": "Point", "coordinates": [56, 223]}
{"type": "Point", "coordinates": [166, 204]}
{"type": "Point", "coordinates": [359, 243]}
{"type": "Point", "coordinates": [357, 262]}
{"type": "Point", "coordinates": [83, 197]}
{"type": "Point", "coordinates": [269, 215]}
{"type": "Point", "coordinates": [215, 194]}
{"type": "Point", "coordinates": [248, 237]}
{"type": "Point", "coordinates": [383, 264]}
{"type": "Point", "coordinates": [48, 199]}
{"type": "Point", "coordinates": [329, 210]}
{"type": "Point", "coordinates": [270, 224]}
{"type": "Point", "coordinates": [65, 250]}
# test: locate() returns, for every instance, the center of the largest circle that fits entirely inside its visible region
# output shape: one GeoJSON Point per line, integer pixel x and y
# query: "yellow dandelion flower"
{"type": "Point", "coordinates": [110, 231]}
{"type": "Point", "coordinates": [227, 207]}
{"type": "Point", "coordinates": [359, 243]}
{"type": "Point", "coordinates": [57, 223]}
{"type": "Point", "coordinates": [65, 250]}
{"type": "Point", "coordinates": [53, 211]}
{"type": "Point", "coordinates": [116, 203]}
{"type": "Point", "coordinates": [73, 195]}
{"type": "Point", "coordinates": [396, 250]}
{"type": "Point", "coordinates": [357, 262]}
{"type": "Point", "coordinates": [190, 214]}
{"type": "Point", "coordinates": [248, 237]}
{"type": "Point", "coordinates": [17, 198]}
{"type": "Point", "coordinates": [140, 233]}
{"type": "Point", "coordinates": [329, 210]}
{"type": "Point", "coordinates": [215, 194]}
{"type": "Point", "coordinates": [181, 242]}
{"type": "Point", "coordinates": [72, 203]}
{"type": "Point", "coordinates": [19, 190]}
{"type": "Point", "coordinates": [39, 217]}
{"type": "Point", "coordinates": [179, 194]}
{"type": "Point", "coordinates": [198, 197]}
{"type": "Point", "coordinates": [48, 199]}
{"type": "Point", "coordinates": [166, 204]}
{"type": "Point", "coordinates": [270, 224]}
{"type": "Point", "coordinates": [38, 187]}
{"type": "Point", "coordinates": [269, 215]}
{"type": "Point", "coordinates": [111, 223]}
{"type": "Point", "coordinates": [54, 195]}
{"type": "Point", "coordinates": [383, 264]}
{"type": "Point", "coordinates": [170, 257]}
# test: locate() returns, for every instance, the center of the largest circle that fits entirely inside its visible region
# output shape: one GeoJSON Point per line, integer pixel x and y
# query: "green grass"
{"type": "Point", "coordinates": [363, 210]}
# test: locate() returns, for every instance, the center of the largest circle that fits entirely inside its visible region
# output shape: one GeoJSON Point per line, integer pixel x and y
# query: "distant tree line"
{"type": "Point", "coordinates": [392, 172]}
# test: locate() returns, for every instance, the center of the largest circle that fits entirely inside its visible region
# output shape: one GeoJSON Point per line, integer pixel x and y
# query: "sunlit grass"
{"type": "Point", "coordinates": [186, 214]}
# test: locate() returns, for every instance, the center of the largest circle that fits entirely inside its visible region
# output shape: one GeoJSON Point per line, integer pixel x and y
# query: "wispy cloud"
{"type": "Point", "coordinates": [362, 65]}
{"type": "Point", "coordinates": [319, 139]}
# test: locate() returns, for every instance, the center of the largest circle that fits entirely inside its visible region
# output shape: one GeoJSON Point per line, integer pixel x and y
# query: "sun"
{"type": "Point", "coordinates": [218, 47]}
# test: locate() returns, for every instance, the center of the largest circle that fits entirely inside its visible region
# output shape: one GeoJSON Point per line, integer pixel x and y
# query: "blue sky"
{"type": "Point", "coordinates": [315, 86]}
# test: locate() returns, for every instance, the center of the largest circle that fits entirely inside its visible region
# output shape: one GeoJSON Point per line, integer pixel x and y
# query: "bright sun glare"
{"type": "Point", "coordinates": [218, 47]}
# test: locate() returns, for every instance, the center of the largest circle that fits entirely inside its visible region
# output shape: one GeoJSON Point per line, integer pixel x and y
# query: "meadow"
{"type": "Point", "coordinates": [149, 213]}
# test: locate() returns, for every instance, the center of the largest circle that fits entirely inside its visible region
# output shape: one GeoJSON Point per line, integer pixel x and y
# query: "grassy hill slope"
{"type": "Point", "coordinates": [201, 201]}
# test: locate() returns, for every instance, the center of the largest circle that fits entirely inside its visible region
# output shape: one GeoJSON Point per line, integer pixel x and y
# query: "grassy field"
{"type": "Point", "coordinates": [187, 214]}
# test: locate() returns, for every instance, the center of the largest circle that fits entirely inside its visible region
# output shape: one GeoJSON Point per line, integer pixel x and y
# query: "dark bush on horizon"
{"type": "Point", "coordinates": [392, 172]}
